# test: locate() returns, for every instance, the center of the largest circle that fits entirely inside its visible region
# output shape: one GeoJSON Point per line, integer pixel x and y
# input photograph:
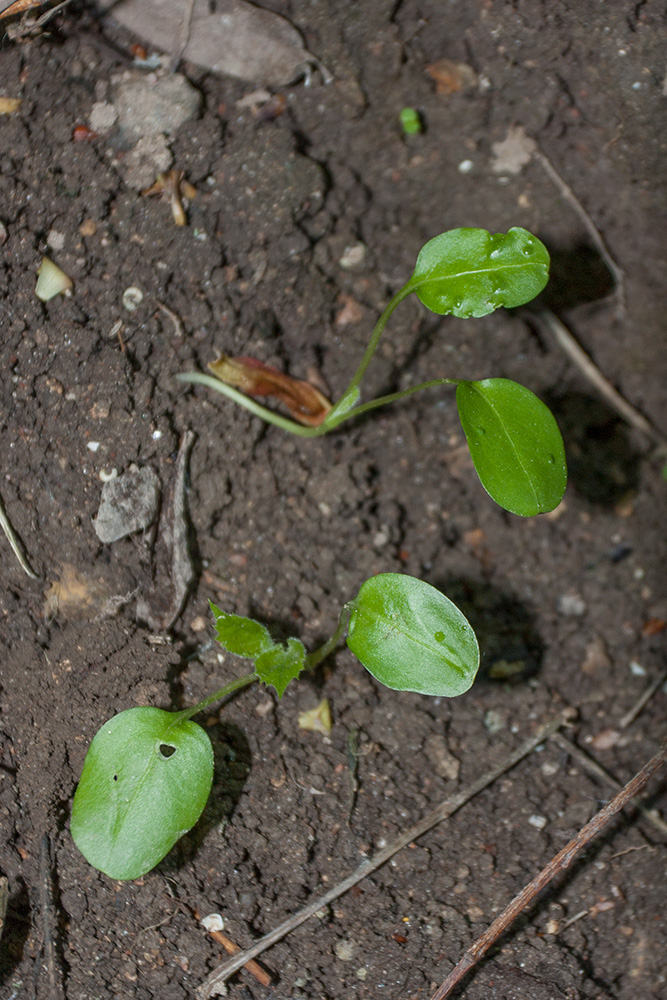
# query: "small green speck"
{"type": "Point", "coordinates": [411, 121]}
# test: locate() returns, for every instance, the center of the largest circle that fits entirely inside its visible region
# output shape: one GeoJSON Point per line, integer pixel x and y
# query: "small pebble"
{"type": "Point", "coordinates": [637, 669]}
{"type": "Point", "coordinates": [353, 256]}
{"type": "Point", "coordinates": [605, 739]}
{"type": "Point", "coordinates": [494, 721]}
{"type": "Point", "coordinates": [345, 950]}
{"type": "Point", "coordinates": [539, 822]}
{"type": "Point", "coordinates": [132, 298]}
{"type": "Point", "coordinates": [55, 239]}
{"type": "Point", "coordinates": [465, 166]}
{"type": "Point", "coordinates": [198, 624]}
{"type": "Point", "coordinates": [93, 445]}
{"type": "Point", "coordinates": [571, 605]}
{"type": "Point", "coordinates": [213, 922]}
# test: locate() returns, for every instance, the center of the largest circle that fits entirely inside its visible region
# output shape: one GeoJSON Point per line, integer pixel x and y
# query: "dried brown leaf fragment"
{"type": "Point", "coordinates": [306, 404]}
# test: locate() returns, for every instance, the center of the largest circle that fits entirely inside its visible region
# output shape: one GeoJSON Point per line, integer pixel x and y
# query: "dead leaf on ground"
{"type": "Point", "coordinates": [514, 152]}
{"type": "Point", "coordinates": [21, 7]}
{"type": "Point", "coordinates": [75, 596]}
{"type": "Point", "coordinates": [234, 38]}
{"type": "Point", "coordinates": [8, 105]}
{"type": "Point", "coordinates": [306, 403]}
{"type": "Point", "coordinates": [318, 719]}
{"type": "Point", "coordinates": [451, 77]}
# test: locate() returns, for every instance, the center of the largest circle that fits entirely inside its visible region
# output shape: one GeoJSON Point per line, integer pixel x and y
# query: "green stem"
{"type": "Point", "coordinates": [393, 397]}
{"type": "Point", "coordinates": [223, 692]}
{"type": "Point", "coordinates": [255, 408]}
{"type": "Point", "coordinates": [314, 659]}
{"type": "Point", "coordinates": [330, 421]}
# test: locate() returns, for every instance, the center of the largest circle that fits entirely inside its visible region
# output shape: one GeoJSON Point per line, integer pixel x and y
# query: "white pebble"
{"type": "Point", "coordinates": [637, 669]}
{"type": "Point", "coordinates": [93, 445]}
{"type": "Point", "coordinates": [213, 922]}
{"type": "Point", "coordinates": [465, 166]}
{"type": "Point", "coordinates": [539, 822]}
{"type": "Point", "coordinates": [132, 298]}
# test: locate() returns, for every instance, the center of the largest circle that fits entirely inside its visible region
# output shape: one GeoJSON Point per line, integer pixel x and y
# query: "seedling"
{"type": "Point", "coordinates": [514, 441]}
{"type": "Point", "coordinates": [148, 773]}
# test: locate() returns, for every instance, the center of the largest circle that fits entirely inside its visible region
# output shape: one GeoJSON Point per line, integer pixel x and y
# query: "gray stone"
{"type": "Point", "coordinates": [129, 503]}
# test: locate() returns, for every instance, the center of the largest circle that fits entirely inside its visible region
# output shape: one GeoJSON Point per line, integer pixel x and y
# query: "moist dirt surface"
{"type": "Point", "coordinates": [309, 212]}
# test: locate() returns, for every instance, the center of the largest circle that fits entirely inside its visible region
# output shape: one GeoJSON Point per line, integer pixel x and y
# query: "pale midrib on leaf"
{"type": "Point", "coordinates": [481, 270]}
{"type": "Point", "coordinates": [393, 626]}
{"type": "Point", "coordinates": [513, 446]}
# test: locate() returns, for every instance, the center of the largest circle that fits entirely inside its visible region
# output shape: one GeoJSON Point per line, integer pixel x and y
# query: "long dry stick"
{"type": "Point", "coordinates": [593, 767]}
{"type": "Point", "coordinates": [547, 320]}
{"type": "Point", "coordinates": [443, 811]}
{"type": "Point", "coordinates": [557, 864]}
{"type": "Point", "coordinates": [593, 231]}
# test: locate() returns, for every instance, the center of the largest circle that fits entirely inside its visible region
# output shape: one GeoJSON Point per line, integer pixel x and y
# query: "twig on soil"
{"type": "Point", "coordinates": [569, 195]}
{"type": "Point", "coordinates": [547, 320]}
{"type": "Point", "coordinates": [4, 899]}
{"type": "Point", "coordinates": [162, 605]}
{"type": "Point", "coordinates": [594, 768]}
{"type": "Point", "coordinates": [446, 809]}
{"type": "Point", "coordinates": [557, 865]}
{"type": "Point", "coordinates": [13, 540]}
{"type": "Point", "coordinates": [254, 968]}
{"type": "Point", "coordinates": [46, 904]}
{"type": "Point", "coordinates": [641, 702]}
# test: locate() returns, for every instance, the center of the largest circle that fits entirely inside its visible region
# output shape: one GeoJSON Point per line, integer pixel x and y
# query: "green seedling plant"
{"type": "Point", "coordinates": [514, 441]}
{"type": "Point", "coordinates": [148, 773]}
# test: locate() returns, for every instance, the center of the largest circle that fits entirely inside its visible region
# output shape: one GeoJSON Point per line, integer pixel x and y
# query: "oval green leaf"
{"type": "Point", "coordinates": [470, 272]}
{"type": "Point", "coordinates": [515, 445]}
{"type": "Point", "coordinates": [411, 637]}
{"type": "Point", "coordinates": [145, 781]}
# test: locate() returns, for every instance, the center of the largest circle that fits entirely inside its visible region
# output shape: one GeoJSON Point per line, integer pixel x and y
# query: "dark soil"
{"type": "Point", "coordinates": [286, 530]}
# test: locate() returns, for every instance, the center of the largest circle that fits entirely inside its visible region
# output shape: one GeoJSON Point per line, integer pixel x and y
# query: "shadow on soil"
{"type": "Point", "coordinates": [511, 648]}
{"type": "Point", "coordinates": [603, 464]}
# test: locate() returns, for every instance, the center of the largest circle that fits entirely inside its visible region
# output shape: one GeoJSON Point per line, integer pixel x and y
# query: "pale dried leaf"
{"type": "Point", "coordinates": [514, 152]}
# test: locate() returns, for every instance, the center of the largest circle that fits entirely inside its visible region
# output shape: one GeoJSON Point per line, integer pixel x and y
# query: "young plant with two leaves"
{"type": "Point", "coordinates": [148, 772]}
{"type": "Point", "coordinates": [514, 441]}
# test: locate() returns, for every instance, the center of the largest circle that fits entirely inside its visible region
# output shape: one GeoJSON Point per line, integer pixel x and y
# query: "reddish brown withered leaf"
{"type": "Point", "coordinates": [306, 403]}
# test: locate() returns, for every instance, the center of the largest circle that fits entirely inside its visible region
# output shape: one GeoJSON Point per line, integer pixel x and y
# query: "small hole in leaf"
{"type": "Point", "coordinates": [115, 777]}
{"type": "Point", "coordinates": [167, 750]}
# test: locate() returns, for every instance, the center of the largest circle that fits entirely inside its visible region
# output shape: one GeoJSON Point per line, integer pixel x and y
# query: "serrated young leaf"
{"type": "Point", "coordinates": [470, 272]}
{"type": "Point", "coordinates": [242, 636]}
{"type": "Point", "coordinates": [411, 637]}
{"type": "Point", "coordinates": [145, 781]}
{"type": "Point", "coordinates": [515, 445]}
{"type": "Point", "coordinates": [282, 664]}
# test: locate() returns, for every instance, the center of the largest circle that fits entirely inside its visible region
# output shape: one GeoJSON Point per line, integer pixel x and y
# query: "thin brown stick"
{"type": "Point", "coordinates": [441, 812]}
{"type": "Point", "coordinates": [547, 320]}
{"type": "Point", "coordinates": [594, 233]}
{"type": "Point", "coordinates": [254, 968]}
{"type": "Point", "coordinates": [594, 768]}
{"type": "Point", "coordinates": [557, 864]}
{"type": "Point", "coordinates": [641, 702]}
